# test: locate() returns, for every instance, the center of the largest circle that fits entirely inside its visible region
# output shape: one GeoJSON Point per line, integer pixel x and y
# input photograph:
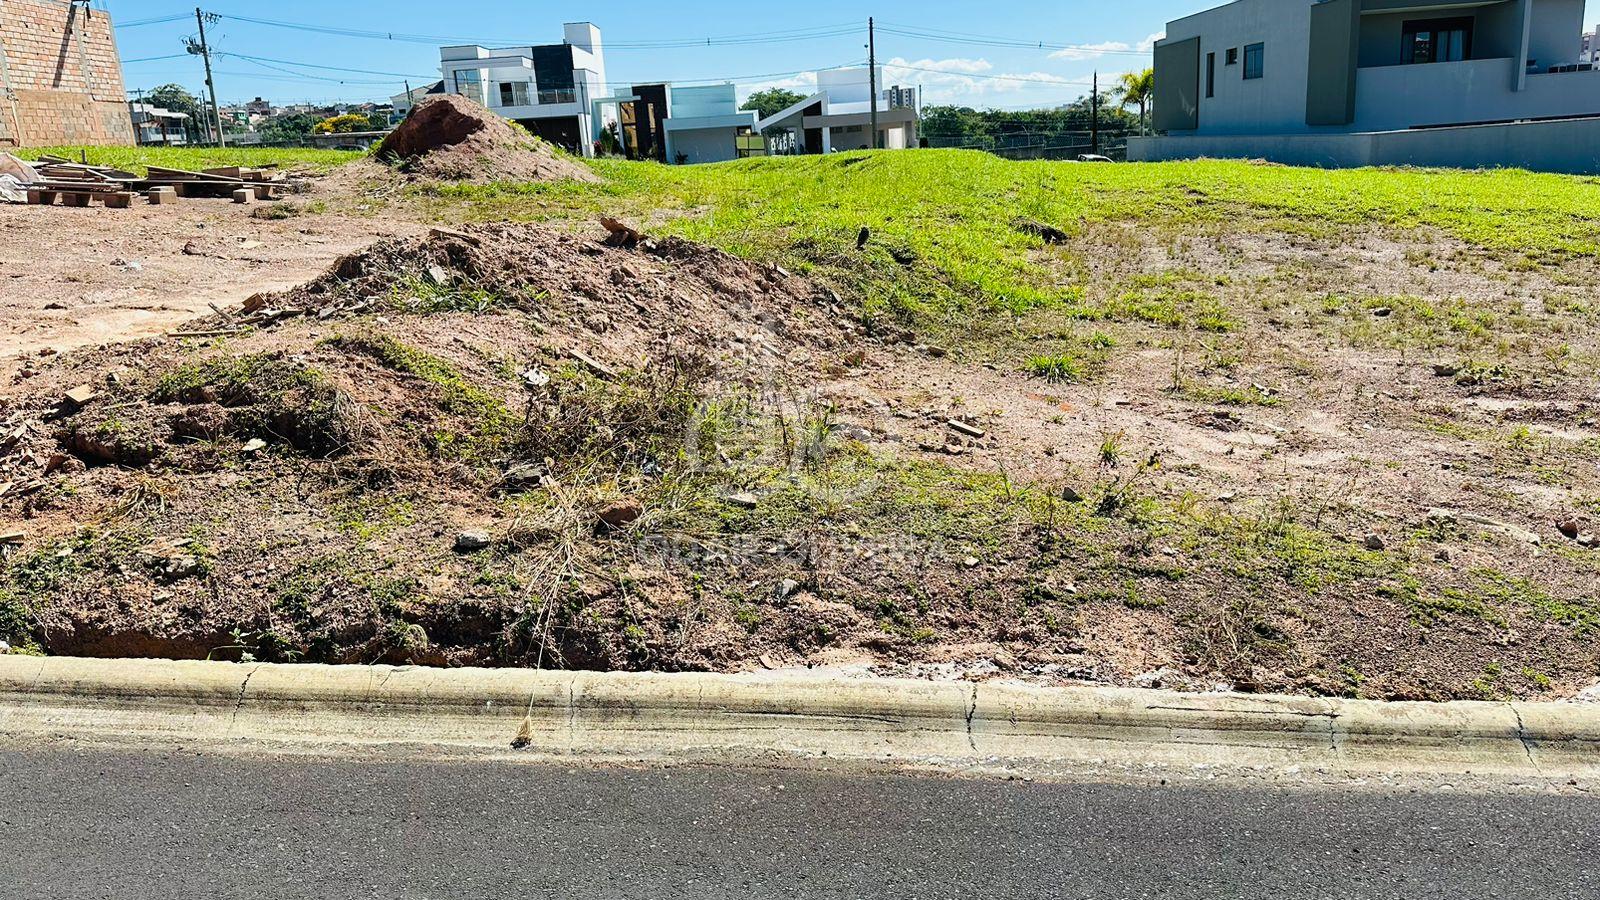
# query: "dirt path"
{"type": "Point", "coordinates": [83, 277]}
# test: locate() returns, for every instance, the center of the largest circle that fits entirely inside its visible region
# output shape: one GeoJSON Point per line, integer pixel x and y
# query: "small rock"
{"type": "Point", "coordinates": [964, 428]}
{"type": "Point", "coordinates": [438, 275]}
{"type": "Point", "coordinates": [80, 396]}
{"type": "Point", "coordinates": [970, 562]}
{"type": "Point", "coordinates": [1568, 529]}
{"type": "Point", "coordinates": [472, 541]}
{"type": "Point", "coordinates": [1383, 312]}
{"type": "Point", "coordinates": [786, 587]}
{"type": "Point", "coordinates": [255, 445]}
{"type": "Point", "coordinates": [743, 500]}
{"type": "Point", "coordinates": [1446, 370]}
{"type": "Point", "coordinates": [1070, 495]}
{"type": "Point", "coordinates": [1589, 540]}
{"type": "Point", "coordinates": [1374, 542]}
{"type": "Point", "coordinates": [4, 648]}
{"type": "Point", "coordinates": [535, 378]}
{"type": "Point", "coordinates": [621, 513]}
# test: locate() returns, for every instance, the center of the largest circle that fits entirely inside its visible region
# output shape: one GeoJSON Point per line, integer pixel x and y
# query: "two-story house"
{"type": "Point", "coordinates": [1364, 82]}
{"type": "Point", "coordinates": [549, 89]}
{"type": "Point", "coordinates": [839, 115]}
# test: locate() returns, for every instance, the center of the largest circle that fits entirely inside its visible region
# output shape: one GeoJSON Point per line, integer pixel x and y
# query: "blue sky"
{"type": "Point", "coordinates": [954, 58]}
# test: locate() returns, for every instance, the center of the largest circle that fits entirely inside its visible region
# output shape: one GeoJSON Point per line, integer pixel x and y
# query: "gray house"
{"type": "Point", "coordinates": [1361, 82]}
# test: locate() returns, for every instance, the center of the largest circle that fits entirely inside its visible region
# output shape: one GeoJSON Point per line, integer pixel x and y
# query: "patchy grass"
{"type": "Point", "coordinates": [943, 246]}
{"type": "Point", "coordinates": [138, 159]}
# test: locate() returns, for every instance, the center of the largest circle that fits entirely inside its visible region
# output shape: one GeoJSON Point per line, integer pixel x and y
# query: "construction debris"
{"type": "Point", "coordinates": [450, 137]}
{"type": "Point", "coordinates": [77, 184]}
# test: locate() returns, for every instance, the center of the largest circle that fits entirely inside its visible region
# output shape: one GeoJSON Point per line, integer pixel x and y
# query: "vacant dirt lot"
{"type": "Point", "coordinates": [1356, 461]}
{"type": "Point", "coordinates": [84, 277]}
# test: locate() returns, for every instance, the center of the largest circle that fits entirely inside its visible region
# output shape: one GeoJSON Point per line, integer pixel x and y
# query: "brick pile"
{"type": "Point", "coordinates": [60, 76]}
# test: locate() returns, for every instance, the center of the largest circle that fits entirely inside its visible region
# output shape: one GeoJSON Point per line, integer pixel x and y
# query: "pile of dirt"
{"type": "Point", "coordinates": [450, 137]}
{"type": "Point", "coordinates": [622, 299]}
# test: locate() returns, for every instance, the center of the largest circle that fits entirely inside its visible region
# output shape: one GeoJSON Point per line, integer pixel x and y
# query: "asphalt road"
{"type": "Point", "coordinates": [97, 823]}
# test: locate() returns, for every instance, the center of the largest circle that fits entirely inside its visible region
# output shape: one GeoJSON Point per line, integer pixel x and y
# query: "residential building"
{"type": "Point", "coordinates": [548, 89]}
{"type": "Point", "coordinates": [677, 124]}
{"type": "Point", "coordinates": [156, 125]}
{"type": "Point", "coordinates": [60, 76]}
{"type": "Point", "coordinates": [1591, 47]}
{"type": "Point", "coordinates": [838, 116]}
{"type": "Point", "coordinates": [1360, 82]}
{"type": "Point", "coordinates": [402, 103]}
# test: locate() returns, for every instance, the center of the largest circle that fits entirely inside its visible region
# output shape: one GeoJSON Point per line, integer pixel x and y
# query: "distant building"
{"type": "Point", "coordinates": [669, 123]}
{"type": "Point", "coordinates": [548, 89]}
{"type": "Point", "coordinates": [1375, 82]}
{"type": "Point", "coordinates": [402, 103]}
{"type": "Point", "coordinates": [155, 125]}
{"type": "Point", "coordinates": [1591, 47]}
{"type": "Point", "coordinates": [838, 116]}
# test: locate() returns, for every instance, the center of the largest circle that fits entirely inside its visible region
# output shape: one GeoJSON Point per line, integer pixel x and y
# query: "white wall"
{"type": "Point", "coordinates": [702, 145]}
{"type": "Point", "coordinates": [1570, 145]}
{"type": "Point", "coordinates": [1556, 32]}
{"type": "Point", "coordinates": [1275, 102]}
{"type": "Point", "coordinates": [1395, 97]}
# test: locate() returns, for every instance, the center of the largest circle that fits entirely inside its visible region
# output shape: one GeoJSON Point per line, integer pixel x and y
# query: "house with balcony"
{"type": "Point", "coordinates": [838, 116]}
{"type": "Point", "coordinates": [548, 89]}
{"type": "Point", "coordinates": [156, 126]}
{"type": "Point", "coordinates": [1475, 83]}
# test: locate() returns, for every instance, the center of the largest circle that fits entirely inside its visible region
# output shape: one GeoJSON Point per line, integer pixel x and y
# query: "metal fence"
{"type": "Point", "coordinates": [1113, 142]}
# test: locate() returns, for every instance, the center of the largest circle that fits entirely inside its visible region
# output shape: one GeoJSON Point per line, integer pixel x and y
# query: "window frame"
{"type": "Point", "coordinates": [1410, 28]}
{"type": "Point", "coordinates": [1259, 50]}
{"type": "Point", "coordinates": [1211, 75]}
{"type": "Point", "coordinates": [1231, 58]}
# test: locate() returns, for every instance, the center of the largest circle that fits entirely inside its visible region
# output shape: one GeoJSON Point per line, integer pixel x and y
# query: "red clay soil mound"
{"type": "Point", "coordinates": [452, 138]}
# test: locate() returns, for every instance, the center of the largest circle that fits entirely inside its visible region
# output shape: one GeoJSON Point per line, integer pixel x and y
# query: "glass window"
{"type": "Point", "coordinates": [1436, 40]}
{"type": "Point", "coordinates": [1233, 56]}
{"type": "Point", "coordinates": [469, 83]}
{"type": "Point", "coordinates": [1254, 58]}
{"type": "Point", "coordinates": [1211, 74]}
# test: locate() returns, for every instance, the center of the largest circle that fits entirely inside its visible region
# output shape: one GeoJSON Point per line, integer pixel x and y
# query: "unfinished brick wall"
{"type": "Point", "coordinates": [60, 77]}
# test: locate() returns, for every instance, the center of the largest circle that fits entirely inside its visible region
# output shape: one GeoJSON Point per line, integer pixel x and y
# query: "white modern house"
{"type": "Point", "coordinates": [549, 89]}
{"type": "Point", "coordinates": [677, 124]}
{"type": "Point", "coordinates": [838, 116]}
{"type": "Point", "coordinates": [1379, 82]}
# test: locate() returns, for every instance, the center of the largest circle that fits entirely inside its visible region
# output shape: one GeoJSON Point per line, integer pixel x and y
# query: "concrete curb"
{"type": "Point", "coordinates": [647, 717]}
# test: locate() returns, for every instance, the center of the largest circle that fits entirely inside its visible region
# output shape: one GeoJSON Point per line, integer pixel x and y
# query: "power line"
{"type": "Point", "coordinates": [1080, 82]}
{"type": "Point", "coordinates": [289, 62]}
{"type": "Point", "coordinates": [158, 20]}
{"type": "Point", "coordinates": [930, 34]}
{"type": "Point", "coordinates": [154, 58]}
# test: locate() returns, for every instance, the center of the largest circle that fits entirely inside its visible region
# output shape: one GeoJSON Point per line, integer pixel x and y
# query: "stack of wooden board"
{"type": "Point", "coordinates": [76, 183]}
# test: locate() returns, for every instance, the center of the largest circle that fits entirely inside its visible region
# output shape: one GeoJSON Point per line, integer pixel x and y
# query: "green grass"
{"type": "Point", "coordinates": [137, 159]}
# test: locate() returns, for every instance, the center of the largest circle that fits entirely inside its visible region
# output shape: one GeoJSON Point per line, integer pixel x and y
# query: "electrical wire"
{"type": "Point", "coordinates": [932, 34]}
{"type": "Point", "coordinates": [158, 20]}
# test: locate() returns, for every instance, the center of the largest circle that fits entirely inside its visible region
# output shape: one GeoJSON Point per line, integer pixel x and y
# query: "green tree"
{"type": "Point", "coordinates": [288, 129]}
{"type": "Point", "coordinates": [771, 101]}
{"type": "Point", "coordinates": [345, 124]}
{"type": "Point", "coordinates": [1137, 89]}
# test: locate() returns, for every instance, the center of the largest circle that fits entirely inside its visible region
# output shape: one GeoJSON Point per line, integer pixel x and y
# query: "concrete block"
{"type": "Point", "coordinates": [42, 198]}
{"type": "Point", "coordinates": [74, 199]}
{"type": "Point", "coordinates": [121, 200]}
{"type": "Point", "coordinates": [263, 191]}
{"type": "Point", "coordinates": [160, 195]}
{"type": "Point", "coordinates": [244, 195]}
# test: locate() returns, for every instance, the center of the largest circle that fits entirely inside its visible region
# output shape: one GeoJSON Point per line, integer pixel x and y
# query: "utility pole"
{"type": "Point", "coordinates": [1094, 113]}
{"type": "Point", "coordinates": [872, 76]}
{"type": "Point", "coordinates": [211, 85]}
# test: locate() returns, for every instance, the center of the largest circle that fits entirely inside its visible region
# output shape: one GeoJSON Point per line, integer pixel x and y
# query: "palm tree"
{"type": "Point", "coordinates": [1137, 88]}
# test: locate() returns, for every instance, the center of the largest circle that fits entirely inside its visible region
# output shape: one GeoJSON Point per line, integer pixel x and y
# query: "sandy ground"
{"type": "Point", "coordinates": [72, 278]}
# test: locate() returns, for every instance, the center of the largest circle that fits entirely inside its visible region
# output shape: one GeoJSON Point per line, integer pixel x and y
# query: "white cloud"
{"type": "Point", "coordinates": [804, 83]}
{"type": "Point", "coordinates": [1149, 43]}
{"type": "Point", "coordinates": [1091, 51]}
{"type": "Point", "coordinates": [972, 81]}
